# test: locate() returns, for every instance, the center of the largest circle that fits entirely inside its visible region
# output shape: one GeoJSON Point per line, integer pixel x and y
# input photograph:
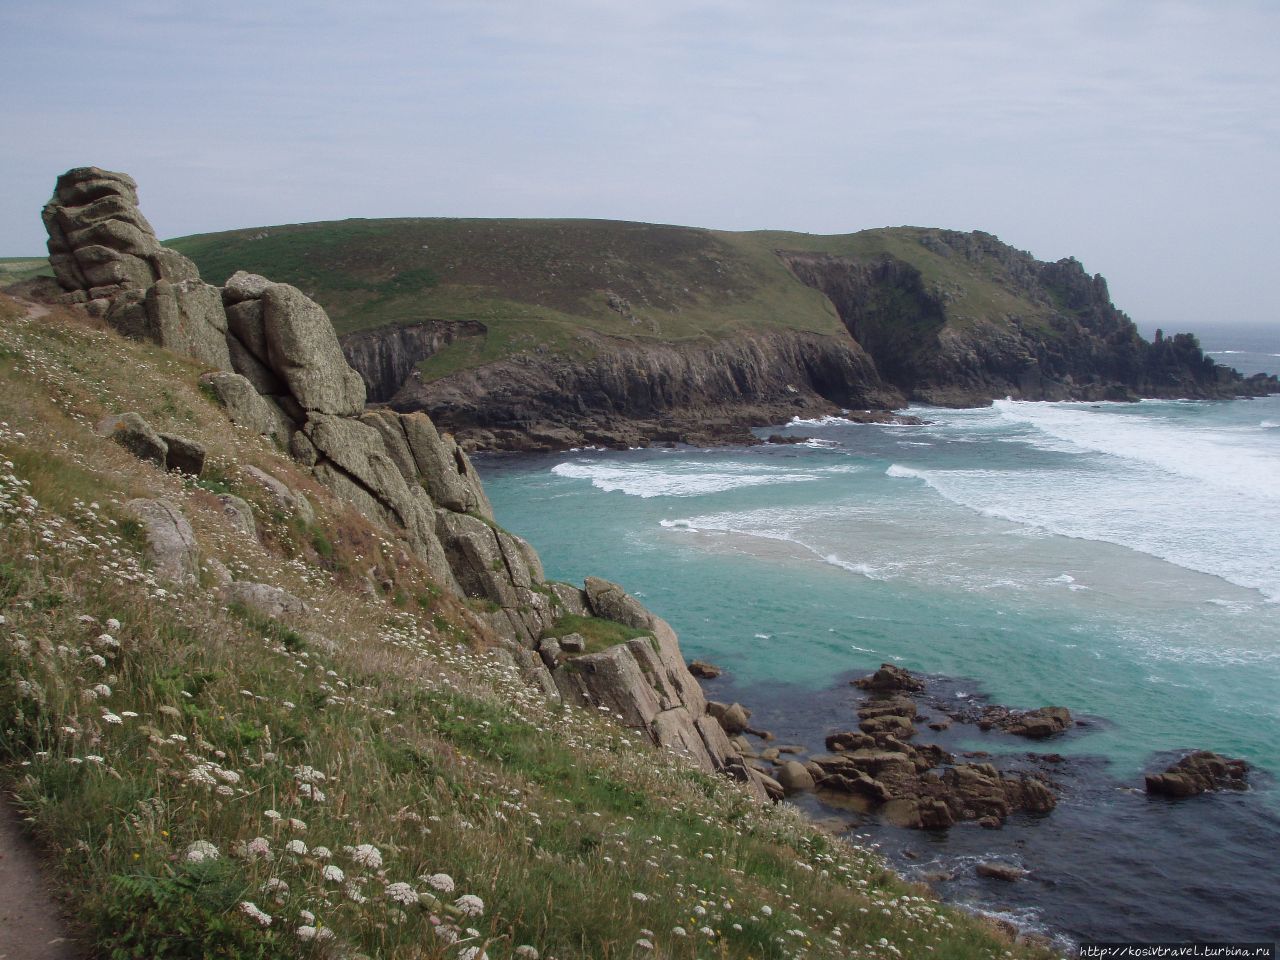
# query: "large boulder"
{"type": "Point", "coordinates": [303, 351]}
{"type": "Point", "coordinates": [171, 544]}
{"type": "Point", "coordinates": [610, 602]}
{"type": "Point", "coordinates": [103, 251]}
{"type": "Point", "coordinates": [890, 678]}
{"type": "Point", "coordinates": [246, 407]}
{"type": "Point", "coordinates": [1199, 772]}
{"type": "Point", "coordinates": [133, 433]}
{"type": "Point", "coordinates": [264, 599]}
{"type": "Point", "coordinates": [187, 317]}
{"type": "Point", "coordinates": [1038, 724]}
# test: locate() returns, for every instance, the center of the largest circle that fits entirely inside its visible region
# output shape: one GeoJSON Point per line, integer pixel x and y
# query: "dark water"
{"type": "Point", "coordinates": [1109, 863]}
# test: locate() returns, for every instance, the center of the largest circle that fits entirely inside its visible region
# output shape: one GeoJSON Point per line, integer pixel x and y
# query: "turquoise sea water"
{"type": "Point", "coordinates": [1119, 559]}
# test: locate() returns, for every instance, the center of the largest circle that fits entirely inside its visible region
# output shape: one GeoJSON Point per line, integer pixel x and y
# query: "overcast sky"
{"type": "Point", "coordinates": [1141, 137]}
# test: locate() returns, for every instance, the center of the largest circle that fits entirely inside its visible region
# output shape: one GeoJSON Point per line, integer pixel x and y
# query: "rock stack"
{"type": "Point", "coordinates": [278, 370]}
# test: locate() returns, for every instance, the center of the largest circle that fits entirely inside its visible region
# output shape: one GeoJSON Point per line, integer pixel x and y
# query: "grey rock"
{"type": "Point", "coordinates": [610, 602]}
{"type": "Point", "coordinates": [133, 433]}
{"type": "Point", "coordinates": [185, 456]}
{"type": "Point", "coordinates": [239, 513]}
{"type": "Point", "coordinates": [573, 599]}
{"type": "Point", "coordinates": [303, 350]}
{"type": "Point", "coordinates": [187, 317]}
{"type": "Point", "coordinates": [794, 777]}
{"type": "Point", "coordinates": [241, 286]}
{"type": "Point", "coordinates": [244, 405]}
{"type": "Point", "coordinates": [171, 543]}
{"type": "Point", "coordinates": [573, 643]}
{"type": "Point", "coordinates": [550, 652]}
{"type": "Point", "coordinates": [443, 468]}
{"type": "Point", "coordinates": [263, 598]}
{"type": "Point", "coordinates": [999, 871]}
{"type": "Point", "coordinates": [285, 498]}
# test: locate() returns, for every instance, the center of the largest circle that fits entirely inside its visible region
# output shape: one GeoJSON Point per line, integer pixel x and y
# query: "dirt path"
{"type": "Point", "coordinates": [31, 928]}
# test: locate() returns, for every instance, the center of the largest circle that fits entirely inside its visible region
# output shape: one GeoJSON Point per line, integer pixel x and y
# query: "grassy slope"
{"type": "Point", "coordinates": [539, 284]}
{"type": "Point", "coordinates": [14, 269]}
{"type": "Point", "coordinates": [187, 721]}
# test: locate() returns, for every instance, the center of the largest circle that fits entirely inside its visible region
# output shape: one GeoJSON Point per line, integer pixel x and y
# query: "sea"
{"type": "Point", "coordinates": [1122, 560]}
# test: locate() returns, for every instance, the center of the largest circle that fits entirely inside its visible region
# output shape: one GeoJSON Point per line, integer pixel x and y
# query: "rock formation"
{"type": "Point", "coordinates": [1199, 772]}
{"type": "Point", "coordinates": [279, 371]}
{"type": "Point", "coordinates": [105, 255]}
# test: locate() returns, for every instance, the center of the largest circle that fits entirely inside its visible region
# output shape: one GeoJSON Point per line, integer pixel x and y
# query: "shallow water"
{"type": "Point", "coordinates": [1120, 559]}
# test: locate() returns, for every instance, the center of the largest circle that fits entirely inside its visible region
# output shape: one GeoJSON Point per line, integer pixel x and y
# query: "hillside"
{"type": "Point", "coordinates": [278, 684]}
{"type": "Point", "coordinates": [662, 332]}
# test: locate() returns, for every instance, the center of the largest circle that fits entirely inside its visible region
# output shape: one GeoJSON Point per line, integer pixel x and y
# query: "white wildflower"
{"type": "Point", "coordinates": [402, 893]}
{"type": "Point", "coordinates": [321, 853]}
{"type": "Point", "coordinates": [199, 850]}
{"type": "Point", "coordinates": [469, 905]}
{"type": "Point", "coordinates": [644, 944]}
{"type": "Point", "coordinates": [258, 848]}
{"type": "Point", "coordinates": [333, 873]}
{"type": "Point", "coordinates": [367, 855]}
{"type": "Point", "coordinates": [641, 897]}
{"type": "Point", "coordinates": [440, 881]}
{"type": "Point", "coordinates": [254, 914]}
{"type": "Point", "coordinates": [472, 953]}
{"type": "Point", "coordinates": [526, 952]}
{"type": "Point", "coordinates": [296, 847]}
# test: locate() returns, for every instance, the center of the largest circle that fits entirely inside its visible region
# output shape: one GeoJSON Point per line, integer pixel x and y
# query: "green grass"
{"type": "Point", "coordinates": [15, 269]}
{"type": "Point", "coordinates": [545, 286]}
{"type": "Point", "coordinates": [599, 634]}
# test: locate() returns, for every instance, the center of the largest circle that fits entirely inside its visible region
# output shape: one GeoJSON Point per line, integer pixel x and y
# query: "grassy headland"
{"type": "Point", "coordinates": [538, 285]}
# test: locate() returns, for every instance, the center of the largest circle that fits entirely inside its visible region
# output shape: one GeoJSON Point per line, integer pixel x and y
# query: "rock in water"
{"type": "Point", "coordinates": [1200, 772]}
{"type": "Point", "coordinates": [704, 670]}
{"type": "Point", "coordinates": [890, 677]}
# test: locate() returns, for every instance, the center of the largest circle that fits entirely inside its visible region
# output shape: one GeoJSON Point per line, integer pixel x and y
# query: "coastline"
{"type": "Point", "coordinates": [1101, 797]}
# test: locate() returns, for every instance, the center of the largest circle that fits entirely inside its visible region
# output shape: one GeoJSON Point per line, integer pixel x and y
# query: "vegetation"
{"type": "Point", "coordinates": [14, 269]}
{"type": "Point", "coordinates": [362, 781]}
{"type": "Point", "coordinates": [598, 634]}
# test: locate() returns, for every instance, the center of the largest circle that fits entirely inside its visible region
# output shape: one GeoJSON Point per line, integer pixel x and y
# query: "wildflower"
{"type": "Point", "coordinates": [254, 914]}
{"type": "Point", "coordinates": [321, 853]}
{"type": "Point", "coordinates": [679, 931]}
{"type": "Point", "coordinates": [706, 931]}
{"type": "Point", "coordinates": [296, 847]}
{"type": "Point", "coordinates": [311, 792]}
{"type": "Point", "coordinates": [110, 717]}
{"type": "Point", "coordinates": [469, 905]}
{"type": "Point", "coordinates": [367, 855]}
{"type": "Point", "coordinates": [644, 944]}
{"type": "Point", "coordinates": [440, 881]}
{"type": "Point", "coordinates": [641, 897]}
{"type": "Point", "coordinates": [113, 625]}
{"type": "Point", "coordinates": [306, 932]}
{"type": "Point", "coordinates": [101, 690]}
{"type": "Point", "coordinates": [333, 873]}
{"type": "Point", "coordinates": [258, 847]}
{"type": "Point", "coordinates": [295, 824]}
{"type": "Point", "coordinates": [526, 952]}
{"type": "Point", "coordinates": [353, 893]}
{"type": "Point", "coordinates": [402, 893]}
{"type": "Point", "coordinates": [271, 814]}
{"type": "Point", "coordinates": [767, 910]}
{"type": "Point", "coordinates": [199, 850]}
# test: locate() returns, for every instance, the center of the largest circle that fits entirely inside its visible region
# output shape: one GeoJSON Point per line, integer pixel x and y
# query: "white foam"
{"type": "Point", "coordinates": [1230, 534]}
{"type": "Point", "coordinates": [672, 479]}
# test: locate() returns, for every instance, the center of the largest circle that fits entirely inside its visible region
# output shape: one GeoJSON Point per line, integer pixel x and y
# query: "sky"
{"type": "Point", "coordinates": [1141, 137]}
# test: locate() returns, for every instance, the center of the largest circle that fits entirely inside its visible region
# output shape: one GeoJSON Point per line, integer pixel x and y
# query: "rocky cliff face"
{"type": "Point", "coordinates": [1075, 345]}
{"type": "Point", "coordinates": [631, 393]}
{"type": "Point", "coordinates": [278, 369]}
{"type": "Point", "coordinates": [387, 357]}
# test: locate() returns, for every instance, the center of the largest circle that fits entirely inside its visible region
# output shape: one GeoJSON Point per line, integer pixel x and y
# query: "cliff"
{"type": "Point", "coordinates": [275, 365]}
{"type": "Point", "coordinates": [537, 334]}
